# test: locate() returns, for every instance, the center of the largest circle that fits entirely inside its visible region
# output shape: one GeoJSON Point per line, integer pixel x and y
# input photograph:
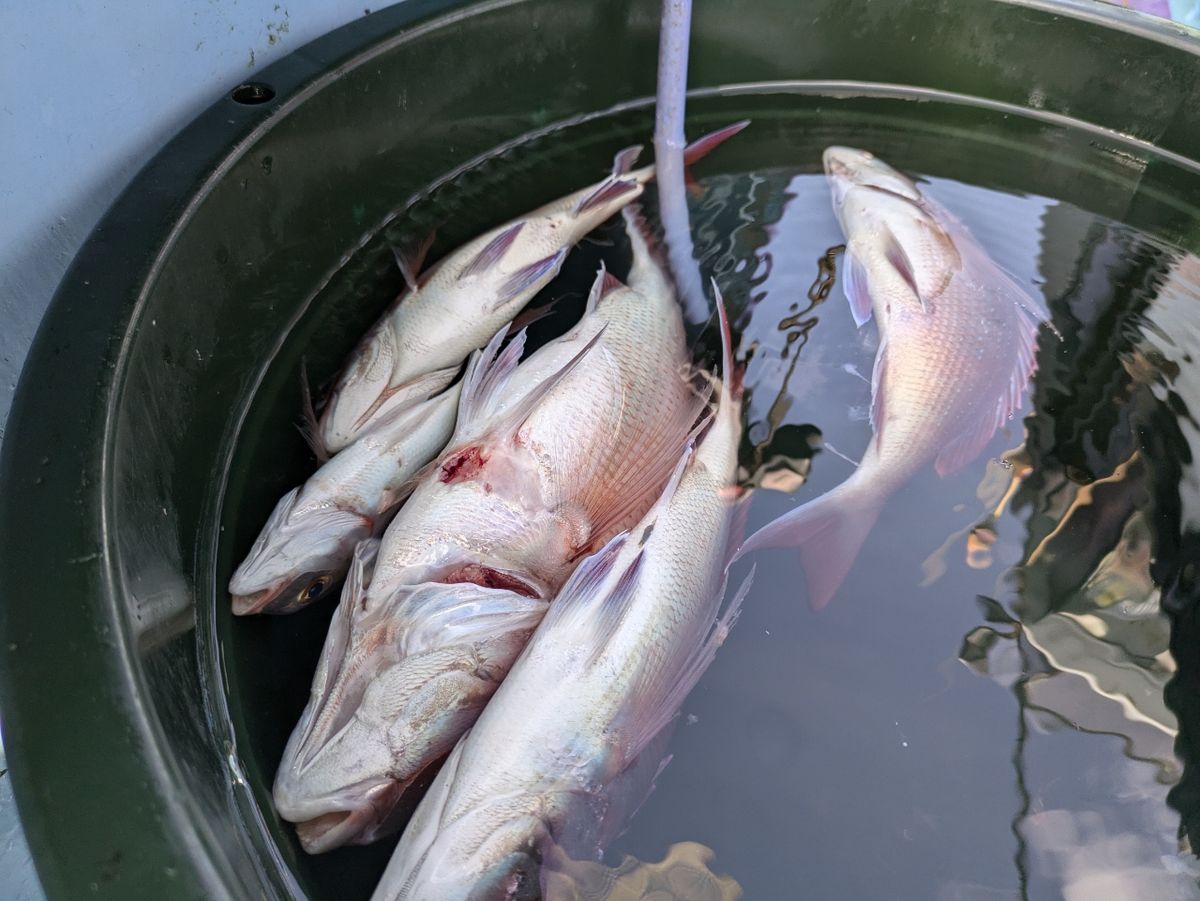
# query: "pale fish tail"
{"type": "Point", "coordinates": [828, 532]}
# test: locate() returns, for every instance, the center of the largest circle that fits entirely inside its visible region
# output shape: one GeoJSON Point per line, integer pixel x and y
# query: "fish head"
{"type": "Point", "coordinates": [402, 676]}
{"type": "Point", "coordinates": [848, 168]}
{"type": "Point", "coordinates": [299, 555]}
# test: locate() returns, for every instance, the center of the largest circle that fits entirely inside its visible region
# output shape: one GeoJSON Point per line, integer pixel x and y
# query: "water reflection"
{"type": "Point", "coordinates": [1088, 646]}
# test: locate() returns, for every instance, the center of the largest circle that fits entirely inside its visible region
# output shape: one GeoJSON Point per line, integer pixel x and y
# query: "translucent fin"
{"type": "Point", "coordinates": [410, 263]}
{"type": "Point", "coordinates": [481, 418]}
{"type": "Point", "coordinates": [828, 533]}
{"type": "Point", "coordinates": [611, 501]}
{"type": "Point", "coordinates": [323, 699]}
{"type": "Point", "coordinates": [463, 613]}
{"type": "Point", "coordinates": [529, 278]}
{"type": "Point", "coordinates": [417, 389]}
{"type": "Point", "coordinates": [706, 144]}
{"type": "Point", "coordinates": [577, 599]}
{"type": "Point", "coordinates": [856, 290]}
{"type": "Point", "coordinates": [990, 417]}
{"type": "Point", "coordinates": [610, 191]}
{"type": "Point", "coordinates": [878, 373]}
{"type": "Point", "coordinates": [492, 252]}
{"type": "Point", "coordinates": [310, 425]}
{"type": "Point", "coordinates": [672, 685]}
{"type": "Point", "coordinates": [487, 375]}
{"type": "Point", "coordinates": [731, 373]}
{"type": "Point", "coordinates": [900, 262]}
{"type": "Point", "coordinates": [597, 290]}
{"type": "Point", "coordinates": [624, 160]}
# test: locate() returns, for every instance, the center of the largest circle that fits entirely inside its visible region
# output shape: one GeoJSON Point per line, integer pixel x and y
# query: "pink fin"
{"type": "Point", "coordinates": [989, 416]}
{"type": "Point", "coordinates": [575, 599]}
{"type": "Point", "coordinates": [529, 278]}
{"type": "Point", "coordinates": [878, 374]}
{"type": "Point", "coordinates": [856, 290]}
{"type": "Point", "coordinates": [410, 263]}
{"type": "Point", "coordinates": [731, 373]}
{"type": "Point", "coordinates": [624, 160]}
{"type": "Point", "coordinates": [900, 262]}
{"type": "Point", "coordinates": [486, 386]}
{"type": "Point", "coordinates": [492, 252]}
{"type": "Point", "coordinates": [323, 711]}
{"type": "Point", "coordinates": [310, 427]}
{"type": "Point", "coordinates": [828, 532]}
{"type": "Point", "coordinates": [487, 375]}
{"type": "Point", "coordinates": [609, 283]}
{"type": "Point", "coordinates": [706, 144]}
{"type": "Point", "coordinates": [619, 493]}
{"type": "Point", "coordinates": [656, 702]}
{"type": "Point", "coordinates": [611, 190]}
{"type": "Point", "coordinates": [596, 291]}
{"type": "Point", "coordinates": [529, 316]}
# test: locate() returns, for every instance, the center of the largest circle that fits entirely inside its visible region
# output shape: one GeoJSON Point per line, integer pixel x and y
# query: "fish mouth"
{"type": "Point", "coordinates": [266, 601]}
{"type": "Point", "coordinates": [332, 830]}
{"type": "Point", "coordinates": [379, 814]}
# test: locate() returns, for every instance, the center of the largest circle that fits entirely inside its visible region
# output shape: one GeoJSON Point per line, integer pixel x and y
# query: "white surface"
{"type": "Point", "coordinates": [88, 93]}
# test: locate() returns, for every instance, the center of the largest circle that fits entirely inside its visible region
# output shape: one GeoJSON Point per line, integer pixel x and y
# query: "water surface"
{"type": "Point", "coordinates": [995, 705]}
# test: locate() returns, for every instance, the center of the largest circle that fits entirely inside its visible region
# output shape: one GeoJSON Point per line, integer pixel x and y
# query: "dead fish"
{"type": "Point", "coordinates": [568, 746]}
{"type": "Point", "coordinates": [957, 338]}
{"type": "Point", "coordinates": [418, 346]}
{"type": "Point", "coordinates": [550, 459]}
{"type": "Point", "coordinates": [308, 541]}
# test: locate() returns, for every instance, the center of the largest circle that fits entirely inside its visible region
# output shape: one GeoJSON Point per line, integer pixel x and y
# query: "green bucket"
{"type": "Point", "coordinates": [152, 428]}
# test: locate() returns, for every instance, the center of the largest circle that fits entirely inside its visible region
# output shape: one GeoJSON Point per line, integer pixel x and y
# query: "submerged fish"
{"type": "Point", "coordinates": [418, 346]}
{"type": "Point", "coordinates": [957, 338]}
{"type": "Point", "coordinates": [571, 742]}
{"type": "Point", "coordinates": [307, 543]}
{"type": "Point", "coordinates": [550, 459]}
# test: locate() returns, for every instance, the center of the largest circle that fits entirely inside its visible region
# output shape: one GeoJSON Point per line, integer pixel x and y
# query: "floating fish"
{"type": "Point", "coordinates": [571, 742]}
{"type": "Point", "coordinates": [550, 459]}
{"type": "Point", "coordinates": [418, 346]}
{"type": "Point", "coordinates": [956, 351]}
{"type": "Point", "coordinates": [308, 541]}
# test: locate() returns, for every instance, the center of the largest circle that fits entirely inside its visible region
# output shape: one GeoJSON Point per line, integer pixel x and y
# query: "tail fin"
{"type": "Point", "coordinates": [828, 532]}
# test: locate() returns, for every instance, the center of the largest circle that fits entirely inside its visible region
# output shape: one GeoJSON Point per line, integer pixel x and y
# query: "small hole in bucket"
{"type": "Point", "coordinates": [252, 92]}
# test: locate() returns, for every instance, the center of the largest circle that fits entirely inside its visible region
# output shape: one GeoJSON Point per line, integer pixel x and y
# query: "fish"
{"type": "Point", "coordinates": [572, 740]}
{"type": "Point", "coordinates": [309, 539]}
{"type": "Point", "coordinates": [957, 345]}
{"type": "Point", "coordinates": [417, 348]}
{"type": "Point", "coordinates": [551, 457]}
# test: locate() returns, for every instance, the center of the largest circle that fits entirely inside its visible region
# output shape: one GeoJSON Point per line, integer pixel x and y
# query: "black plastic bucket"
{"type": "Point", "coordinates": [148, 436]}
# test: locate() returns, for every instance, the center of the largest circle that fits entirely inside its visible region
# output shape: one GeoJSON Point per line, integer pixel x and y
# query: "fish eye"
{"type": "Point", "coordinates": [313, 589]}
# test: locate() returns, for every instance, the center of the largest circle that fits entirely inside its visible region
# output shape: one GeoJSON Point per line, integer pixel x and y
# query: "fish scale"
{"type": "Point", "coordinates": [957, 346]}
{"type": "Point", "coordinates": [548, 460]}
{"type": "Point", "coordinates": [571, 742]}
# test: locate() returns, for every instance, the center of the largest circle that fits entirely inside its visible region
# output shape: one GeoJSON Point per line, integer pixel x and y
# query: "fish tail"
{"type": "Point", "coordinates": [828, 532]}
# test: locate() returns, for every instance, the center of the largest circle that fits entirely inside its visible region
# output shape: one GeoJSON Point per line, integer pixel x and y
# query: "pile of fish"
{"type": "Point", "coordinates": [536, 552]}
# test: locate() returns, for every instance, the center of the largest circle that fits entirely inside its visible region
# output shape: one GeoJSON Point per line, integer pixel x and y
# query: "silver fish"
{"type": "Point", "coordinates": [569, 744]}
{"type": "Point", "coordinates": [307, 542]}
{"type": "Point", "coordinates": [550, 459]}
{"type": "Point", "coordinates": [957, 338]}
{"type": "Point", "coordinates": [416, 349]}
